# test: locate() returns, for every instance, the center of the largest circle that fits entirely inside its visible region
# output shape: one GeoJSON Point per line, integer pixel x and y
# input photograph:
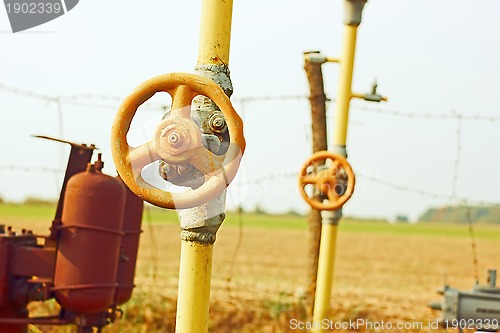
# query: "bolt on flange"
{"type": "Point", "coordinates": [217, 123]}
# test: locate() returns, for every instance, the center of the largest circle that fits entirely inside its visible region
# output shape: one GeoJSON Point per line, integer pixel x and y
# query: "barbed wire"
{"type": "Point", "coordinates": [271, 177]}
{"type": "Point", "coordinates": [93, 97]}
{"type": "Point", "coordinates": [82, 100]}
{"type": "Point", "coordinates": [293, 174]}
{"type": "Point", "coordinates": [410, 115]}
{"type": "Point", "coordinates": [458, 153]}
{"type": "Point", "coordinates": [435, 116]}
{"type": "Point", "coordinates": [403, 188]}
{"type": "Point", "coordinates": [475, 260]}
{"type": "Point", "coordinates": [27, 93]}
{"type": "Point", "coordinates": [11, 167]}
{"type": "Point", "coordinates": [147, 106]}
{"type": "Point", "coordinates": [245, 99]}
{"type": "Point", "coordinates": [88, 101]}
{"type": "Point", "coordinates": [85, 100]}
{"type": "Point", "coordinates": [77, 99]}
{"type": "Point", "coordinates": [429, 194]}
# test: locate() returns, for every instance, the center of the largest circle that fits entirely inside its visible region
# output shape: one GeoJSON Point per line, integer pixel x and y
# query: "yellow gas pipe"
{"type": "Point", "coordinates": [215, 33]}
{"type": "Point", "coordinates": [329, 229]}
{"type": "Point", "coordinates": [196, 257]}
{"type": "Point", "coordinates": [194, 287]}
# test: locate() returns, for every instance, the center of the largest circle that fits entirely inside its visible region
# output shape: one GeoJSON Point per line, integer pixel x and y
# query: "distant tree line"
{"type": "Point", "coordinates": [31, 201]}
{"type": "Point", "coordinates": [459, 214]}
{"type": "Point", "coordinates": [259, 210]}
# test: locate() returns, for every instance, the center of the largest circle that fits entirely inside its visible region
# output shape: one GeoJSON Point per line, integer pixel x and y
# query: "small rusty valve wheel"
{"type": "Point", "coordinates": [331, 176]}
{"type": "Point", "coordinates": [177, 140]}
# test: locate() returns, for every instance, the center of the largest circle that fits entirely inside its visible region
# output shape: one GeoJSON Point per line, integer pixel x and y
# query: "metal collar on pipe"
{"type": "Point", "coordinates": [353, 11]}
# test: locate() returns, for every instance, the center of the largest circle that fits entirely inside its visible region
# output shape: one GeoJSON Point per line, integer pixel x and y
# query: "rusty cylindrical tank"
{"type": "Point", "coordinates": [4, 269]}
{"type": "Point", "coordinates": [7, 309]}
{"type": "Point", "coordinates": [89, 242]}
{"type": "Point", "coordinates": [130, 245]}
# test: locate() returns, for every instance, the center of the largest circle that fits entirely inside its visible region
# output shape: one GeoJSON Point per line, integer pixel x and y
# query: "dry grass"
{"type": "Point", "coordinates": [378, 276]}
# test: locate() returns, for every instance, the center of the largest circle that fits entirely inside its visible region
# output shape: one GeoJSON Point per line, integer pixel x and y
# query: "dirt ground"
{"type": "Point", "coordinates": [260, 274]}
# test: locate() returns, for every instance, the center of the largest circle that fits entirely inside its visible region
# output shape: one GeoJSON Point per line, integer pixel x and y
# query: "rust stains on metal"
{"type": "Point", "coordinates": [129, 161]}
{"type": "Point", "coordinates": [129, 245]}
{"type": "Point", "coordinates": [89, 242]}
{"type": "Point", "coordinates": [335, 182]}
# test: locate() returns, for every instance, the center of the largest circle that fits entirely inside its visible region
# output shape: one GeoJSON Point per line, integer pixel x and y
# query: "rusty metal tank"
{"type": "Point", "coordinates": [89, 242]}
{"type": "Point", "coordinates": [4, 268]}
{"type": "Point", "coordinates": [7, 309]}
{"type": "Point", "coordinates": [129, 245]}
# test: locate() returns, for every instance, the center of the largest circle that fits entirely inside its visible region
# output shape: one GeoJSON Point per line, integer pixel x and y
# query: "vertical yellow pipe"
{"type": "Point", "coordinates": [329, 230]}
{"type": "Point", "coordinates": [325, 272]}
{"type": "Point", "coordinates": [344, 94]}
{"type": "Point", "coordinates": [194, 287]}
{"type": "Point", "coordinates": [196, 256]}
{"type": "Point", "coordinates": [215, 33]}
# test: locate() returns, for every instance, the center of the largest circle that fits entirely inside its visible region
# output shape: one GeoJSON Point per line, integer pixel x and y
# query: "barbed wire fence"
{"type": "Point", "coordinates": [104, 102]}
{"type": "Point", "coordinates": [99, 101]}
{"type": "Point", "coordinates": [109, 102]}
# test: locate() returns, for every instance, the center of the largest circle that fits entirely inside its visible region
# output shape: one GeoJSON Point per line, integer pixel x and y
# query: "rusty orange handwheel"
{"type": "Point", "coordinates": [177, 140]}
{"type": "Point", "coordinates": [334, 181]}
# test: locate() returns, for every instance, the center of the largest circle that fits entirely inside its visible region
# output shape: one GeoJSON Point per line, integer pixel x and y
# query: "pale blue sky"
{"type": "Point", "coordinates": [428, 57]}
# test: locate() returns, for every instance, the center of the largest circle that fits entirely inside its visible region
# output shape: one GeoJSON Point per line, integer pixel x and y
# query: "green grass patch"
{"type": "Point", "coordinates": [485, 231]}
{"type": "Point", "coordinates": [266, 221]}
{"type": "Point", "coordinates": [45, 212]}
{"type": "Point", "coordinates": [39, 211]}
